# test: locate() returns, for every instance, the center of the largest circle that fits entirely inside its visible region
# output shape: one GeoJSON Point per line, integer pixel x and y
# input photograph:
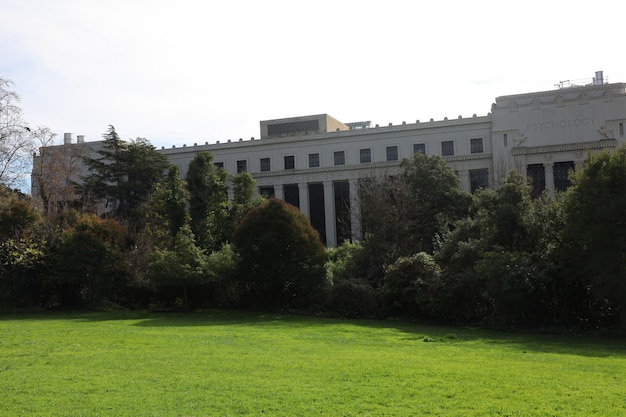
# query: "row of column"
{"type": "Point", "coordinates": [548, 170]}
{"type": "Point", "coordinates": [330, 215]}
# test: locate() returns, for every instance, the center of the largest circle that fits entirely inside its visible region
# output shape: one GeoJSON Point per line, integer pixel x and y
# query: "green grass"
{"type": "Point", "coordinates": [237, 364]}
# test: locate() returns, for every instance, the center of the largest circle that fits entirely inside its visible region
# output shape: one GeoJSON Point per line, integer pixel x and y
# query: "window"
{"type": "Point", "coordinates": [340, 158]}
{"type": "Point", "coordinates": [290, 162]}
{"type": "Point", "coordinates": [291, 194]}
{"type": "Point", "coordinates": [266, 192]}
{"type": "Point", "coordinates": [506, 140]}
{"type": "Point", "coordinates": [265, 164]}
{"type": "Point", "coordinates": [479, 178]}
{"type": "Point", "coordinates": [242, 166]}
{"type": "Point", "coordinates": [419, 148]}
{"type": "Point", "coordinates": [392, 153]}
{"type": "Point", "coordinates": [314, 160]}
{"type": "Point", "coordinates": [536, 178]}
{"type": "Point", "coordinates": [476, 145]}
{"type": "Point", "coordinates": [561, 175]}
{"type": "Point", "coordinates": [621, 129]}
{"type": "Point", "coordinates": [447, 148]}
{"type": "Point", "coordinates": [365, 156]}
{"type": "Point", "coordinates": [219, 165]}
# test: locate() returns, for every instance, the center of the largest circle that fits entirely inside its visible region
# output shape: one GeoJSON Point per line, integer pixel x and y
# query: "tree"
{"type": "Point", "coordinates": [20, 253]}
{"type": "Point", "coordinates": [498, 262]}
{"type": "Point", "coordinates": [208, 200]}
{"type": "Point", "coordinates": [594, 239]}
{"type": "Point", "coordinates": [184, 266]}
{"type": "Point", "coordinates": [281, 256]}
{"type": "Point", "coordinates": [124, 173]}
{"type": "Point", "coordinates": [86, 265]}
{"type": "Point", "coordinates": [243, 200]}
{"type": "Point", "coordinates": [408, 213]}
{"type": "Point", "coordinates": [16, 142]}
{"type": "Point", "coordinates": [165, 212]}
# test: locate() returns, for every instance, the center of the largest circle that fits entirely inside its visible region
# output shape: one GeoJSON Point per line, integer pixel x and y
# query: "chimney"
{"type": "Point", "coordinates": [599, 78]}
{"type": "Point", "coordinates": [67, 138]}
{"type": "Point", "coordinates": [80, 138]}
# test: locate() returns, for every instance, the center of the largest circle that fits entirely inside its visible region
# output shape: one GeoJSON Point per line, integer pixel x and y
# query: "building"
{"type": "Point", "coordinates": [315, 162]}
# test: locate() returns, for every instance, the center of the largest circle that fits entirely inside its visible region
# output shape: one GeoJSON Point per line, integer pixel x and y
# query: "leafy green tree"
{"type": "Point", "coordinates": [208, 200]}
{"type": "Point", "coordinates": [123, 174]}
{"type": "Point", "coordinates": [16, 216]}
{"type": "Point", "coordinates": [498, 260]}
{"type": "Point", "coordinates": [21, 254]}
{"type": "Point", "coordinates": [87, 265]}
{"type": "Point", "coordinates": [21, 260]}
{"type": "Point", "coordinates": [184, 266]}
{"type": "Point", "coordinates": [281, 256]}
{"type": "Point", "coordinates": [165, 212]}
{"type": "Point", "coordinates": [409, 284]}
{"type": "Point", "coordinates": [594, 239]}
{"type": "Point", "coordinates": [408, 213]}
{"type": "Point", "coordinates": [243, 200]}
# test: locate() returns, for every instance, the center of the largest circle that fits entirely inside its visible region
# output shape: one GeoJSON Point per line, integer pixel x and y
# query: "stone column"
{"type": "Point", "coordinates": [464, 180]}
{"type": "Point", "coordinates": [329, 214]}
{"type": "Point", "coordinates": [303, 191]}
{"type": "Point", "coordinates": [355, 210]}
{"type": "Point", "coordinates": [279, 192]}
{"type": "Point", "coordinates": [548, 168]}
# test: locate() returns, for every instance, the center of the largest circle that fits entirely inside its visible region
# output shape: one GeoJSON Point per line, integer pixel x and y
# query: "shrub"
{"type": "Point", "coordinates": [408, 284]}
{"type": "Point", "coordinates": [87, 266]}
{"type": "Point", "coordinates": [352, 298]}
{"type": "Point", "coordinates": [282, 259]}
{"type": "Point", "coordinates": [341, 263]}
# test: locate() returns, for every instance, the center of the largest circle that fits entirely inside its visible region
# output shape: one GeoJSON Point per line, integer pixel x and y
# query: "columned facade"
{"type": "Point", "coordinates": [315, 162]}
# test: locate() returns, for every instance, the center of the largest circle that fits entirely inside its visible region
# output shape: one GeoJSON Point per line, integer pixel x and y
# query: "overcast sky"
{"type": "Point", "coordinates": [189, 71]}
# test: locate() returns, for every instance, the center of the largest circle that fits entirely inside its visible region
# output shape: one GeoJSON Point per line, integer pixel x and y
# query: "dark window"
{"type": "Point", "coordinates": [476, 145]}
{"type": "Point", "coordinates": [266, 192]}
{"type": "Point", "coordinates": [536, 178]}
{"type": "Point", "coordinates": [242, 166]}
{"type": "Point", "coordinates": [219, 165]}
{"type": "Point", "coordinates": [419, 148]}
{"type": "Point", "coordinates": [365, 156]}
{"type": "Point", "coordinates": [479, 178]}
{"type": "Point", "coordinates": [290, 162]}
{"type": "Point", "coordinates": [292, 194]}
{"type": "Point", "coordinates": [265, 164]}
{"type": "Point", "coordinates": [314, 160]}
{"type": "Point", "coordinates": [392, 153]}
{"type": "Point", "coordinates": [506, 140]}
{"type": "Point", "coordinates": [621, 129]}
{"type": "Point", "coordinates": [340, 158]}
{"type": "Point", "coordinates": [342, 211]}
{"type": "Point", "coordinates": [447, 148]}
{"type": "Point", "coordinates": [561, 175]}
{"type": "Point", "coordinates": [317, 214]}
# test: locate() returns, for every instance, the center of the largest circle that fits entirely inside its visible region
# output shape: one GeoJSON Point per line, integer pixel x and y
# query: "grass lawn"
{"type": "Point", "coordinates": [239, 364]}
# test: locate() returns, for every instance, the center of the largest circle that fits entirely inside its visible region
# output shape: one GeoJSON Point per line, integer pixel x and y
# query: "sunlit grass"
{"type": "Point", "coordinates": [231, 364]}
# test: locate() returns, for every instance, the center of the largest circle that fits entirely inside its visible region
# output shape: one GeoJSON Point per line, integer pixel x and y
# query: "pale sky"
{"type": "Point", "coordinates": [185, 71]}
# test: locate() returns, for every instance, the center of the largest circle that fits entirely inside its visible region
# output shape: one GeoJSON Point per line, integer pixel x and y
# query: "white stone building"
{"type": "Point", "coordinates": [314, 162]}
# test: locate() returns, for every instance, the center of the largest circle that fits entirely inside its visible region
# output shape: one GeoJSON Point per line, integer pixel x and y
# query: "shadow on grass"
{"type": "Point", "coordinates": [574, 344]}
{"type": "Point", "coordinates": [523, 342]}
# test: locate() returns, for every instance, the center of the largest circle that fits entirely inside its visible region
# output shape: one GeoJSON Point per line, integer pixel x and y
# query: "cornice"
{"type": "Point", "coordinates": [565, 147]}
{"type": "Point", "coordinates": [562, 91]}
{"type": "Point", "coordinates": [470, 157]}
{"type": "Point", "coordinates": [324, 170]}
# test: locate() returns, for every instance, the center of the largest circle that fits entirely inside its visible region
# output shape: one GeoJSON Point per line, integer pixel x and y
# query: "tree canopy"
{"type": "Point", "coordinates": [123, 174]}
